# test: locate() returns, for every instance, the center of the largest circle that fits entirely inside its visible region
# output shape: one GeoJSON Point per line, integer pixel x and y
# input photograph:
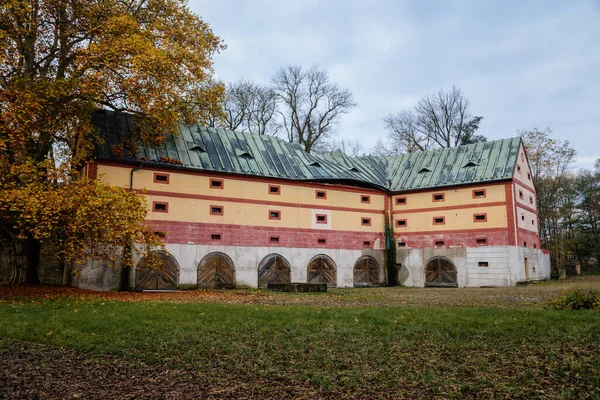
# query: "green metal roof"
{"type": "Point", "coordinates": [221, 150]}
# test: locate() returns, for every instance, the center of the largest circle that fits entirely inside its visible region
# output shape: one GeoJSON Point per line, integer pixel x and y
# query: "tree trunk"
{"type": "Point", "coordinates": [32, 252]}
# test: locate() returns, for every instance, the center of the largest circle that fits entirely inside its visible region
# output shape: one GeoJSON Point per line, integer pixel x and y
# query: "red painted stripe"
{"type": "Point", "coordinates": [241, 177]}
{"type": "Point", "coordinates": [252, 201]}
{"type": "Point", "coordinates": [259, 236]}
{"type": "Point", "coordinates": [523, 206]}
{"type": "Point", "coordinates": [445, 208]}
{"type": "Point", "coordinates": [510, 214]}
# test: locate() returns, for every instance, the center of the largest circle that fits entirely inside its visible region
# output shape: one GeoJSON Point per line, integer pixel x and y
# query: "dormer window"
{"type": "Point", "coordinates": [197, 147]}
{"type": "Point", "coordinates": [244, 154]}
{"type": "Point", "coordinates": [354, 169]}
{"type": "Point", "coordinates": [424, 169]}
{"type": "Point", "coordinates": [314, 164]}
{"type": "Point", "coordinates": [470, 164]}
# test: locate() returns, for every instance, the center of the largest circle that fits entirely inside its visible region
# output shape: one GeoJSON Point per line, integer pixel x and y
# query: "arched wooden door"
{"type": "Point", "coordinates": [157, 271]}
{"type": "Point", "coordinates": [322, 269]}
{"type": "Point", "coordinates": [366, 272]}
{"type": "Point", "coordinates": [440, 272]}
{"type": "Point", "coordinates": [216, 270]}
{"type": "Point", "coordinates": [273, 269]}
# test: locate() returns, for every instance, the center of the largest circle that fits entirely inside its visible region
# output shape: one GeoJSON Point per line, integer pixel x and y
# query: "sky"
{"type": "Point", "coordinates": [522, 64]}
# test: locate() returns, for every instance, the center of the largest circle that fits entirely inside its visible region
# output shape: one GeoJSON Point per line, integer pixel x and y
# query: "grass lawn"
{"type": "Point", "coordinates": [367, 343]}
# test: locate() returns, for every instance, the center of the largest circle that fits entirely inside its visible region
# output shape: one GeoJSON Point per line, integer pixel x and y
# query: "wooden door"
{"type": "Point", "coordinates": [366, 272]}
{"type": "Point", "coordinates": [157, 271]}
{"type": "Point", "coordinates": [322, 269]}
{"type": "Point", "coordinates": [440, 272]}
{"type": "Point", "coordinates": [217, 271]}
{"type": "Point", "coordinates": [273, 269]}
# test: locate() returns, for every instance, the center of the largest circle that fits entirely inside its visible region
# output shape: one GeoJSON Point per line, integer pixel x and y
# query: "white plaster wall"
{"type": "Point", "coordinates": [498, 273]}
{"type": "Point", "coordinates": [538, 263]}
{"type": "Point", "coordinates": [506, 265]}
{"type": "Point", "coordinates": [247, 260]}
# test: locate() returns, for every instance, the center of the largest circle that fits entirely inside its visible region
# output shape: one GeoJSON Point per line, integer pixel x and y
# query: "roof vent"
{"type": "Point", "coordinates": [314, 164]}
{"type": "Point", "coordinates": [197, 147]}
{"type": "Point", "coordinates": [354, 169]}
{"type": "Point", "coordinates": [424, 169]}
{"type": "Point", "coordinates": [244, 154]}
{"type": "Point", "coordinates": [470, 164]}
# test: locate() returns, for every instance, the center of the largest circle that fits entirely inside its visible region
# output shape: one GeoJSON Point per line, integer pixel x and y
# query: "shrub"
{"type": "Point", "coordinates": [577, 299]}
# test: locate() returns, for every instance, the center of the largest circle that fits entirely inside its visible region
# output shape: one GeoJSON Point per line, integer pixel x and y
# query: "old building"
{"type": "Point", "coordinates": [242, 210]}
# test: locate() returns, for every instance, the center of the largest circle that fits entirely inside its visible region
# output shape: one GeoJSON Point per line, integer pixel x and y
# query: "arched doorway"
{"type": "Point", "coordinates": [273, 269]}
{"type": "Point", "coordinates": [157, 271]}
{"type": "Point", "coordinates": [366, 272]}
{"type": "Point", "coordinates": [322, 269]}
{"type": "Point", "coordinates": [216, 270]}
{"type": "Point", "coordinates": [440, 272]}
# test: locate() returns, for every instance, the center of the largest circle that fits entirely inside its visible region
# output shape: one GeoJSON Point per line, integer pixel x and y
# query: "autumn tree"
{"type": "Point", "coordinates": [60, 61]}
{"type": "Point", "coordinates": [311, 106]}
{"type": "Point", "coordinates": [437, 121]}
{"type": "Point", "coordinates": [551, 161]}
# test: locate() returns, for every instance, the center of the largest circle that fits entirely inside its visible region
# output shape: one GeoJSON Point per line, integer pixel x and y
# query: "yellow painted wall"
{"type": "Point", "coordinates": [453, 197]}
{"type": "Point", "coordinates": [239, 213]}
{"type": "Point", "coordinates": [457, 219]}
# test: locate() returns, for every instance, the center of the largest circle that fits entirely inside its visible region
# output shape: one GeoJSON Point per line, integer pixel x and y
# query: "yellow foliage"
{"type": "Point", "coordinates": [60, 61]}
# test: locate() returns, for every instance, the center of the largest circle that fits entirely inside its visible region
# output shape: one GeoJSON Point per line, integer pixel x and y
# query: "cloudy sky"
{"type": "Point", "coordinates": [522, 64]}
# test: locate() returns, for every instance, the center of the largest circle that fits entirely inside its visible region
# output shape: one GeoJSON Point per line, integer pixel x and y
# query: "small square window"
{"type": "Point", "coordinates": [528, 176]}
{"type": "Point", "coordinates": [365, 221]}
{"type": "Point", "coordinates": [524, 244]}
{"type": "Point", "coordinates": [530, 199]}
{"type": "Point", "coordinates": [321, 241]}
{"type": "Point", "coordinates": [522, 217]}
{"type": "Point", "coordinates": [215, 236]}
{"type": "Point", "coordinates": [320, 194]}
{"type": "Point", "coordinates": [439, 220]}
{"type": "Point", "coordinates": [480, 217]}
{"type": "Point", "coordinates": [366, 243]}
{"type": "Point", "coordinates": [400, 201]}
{"type": "Point", "coordinates": [273, 214]}
{"type": "Point", "coordinates": [217, 183]}
{"type": "Point", "coordinates": [401, 244]}
{"type": "Point", "coordinates": [535, 246]}
{"type": "Point", "coordinates": [321, 218]}
{"type": "Point", "coordinates": [274, 189]}
{"type": "Point", "coordinates": [481, 242]}
{"type": "Point", "coordinates": [518, 168]}
{"type": "Point", "coordinates": [532, 222]}
{"type": "Point", "coordinates": [479, 193]}
{"type": "Point", "coordinates": [216, 210]}
{"type": "Point", "coordinates": [521, 194]}
{"type": "Point", "coordinates": [401, 223]}
{"type": "Point", "coordinates": [483, 264]}
{"type": "Point", "coordinates": [158, 206]}
{"type": "Point", "coordinates": [274, 239]}
{"type": "Point", "coordinates": [439, 243]}
{"type": "Point", "coordinates": [365, 199]}
{"type": "Point", "coordinates": [438, 197]}
{"type": "Point", "coordinates": [161, 178]}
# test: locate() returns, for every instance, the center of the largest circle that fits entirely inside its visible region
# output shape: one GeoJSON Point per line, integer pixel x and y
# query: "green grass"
{"type": "Point", "coordinates": [429, 351]}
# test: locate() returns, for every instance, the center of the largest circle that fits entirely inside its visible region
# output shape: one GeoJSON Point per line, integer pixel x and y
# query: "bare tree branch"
{"type": "Point", "coordinates": [436, 121]}
{"type": "Point", "coordinates": [312, 106]}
